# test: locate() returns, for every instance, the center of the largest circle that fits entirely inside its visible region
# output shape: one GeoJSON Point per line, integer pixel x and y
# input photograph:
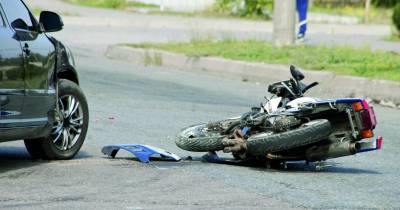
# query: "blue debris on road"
{"type": "Point", "coordinates": [142, 152]}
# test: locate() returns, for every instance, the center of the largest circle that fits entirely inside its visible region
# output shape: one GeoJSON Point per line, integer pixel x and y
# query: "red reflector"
{"type": "Point", "coordinates": [379, 142]}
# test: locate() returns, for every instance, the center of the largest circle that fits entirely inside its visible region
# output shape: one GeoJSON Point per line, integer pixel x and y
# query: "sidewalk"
{"type": "Point", "coordinates": [331, 85]}
{"type": "Point", "coordinates": [101, 27]}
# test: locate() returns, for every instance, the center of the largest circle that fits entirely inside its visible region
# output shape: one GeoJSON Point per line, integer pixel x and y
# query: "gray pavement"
{"type": "Point", "coordinates": [137, 104]}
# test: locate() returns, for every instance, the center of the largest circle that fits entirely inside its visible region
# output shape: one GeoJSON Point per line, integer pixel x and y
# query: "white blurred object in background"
{"type": "Point", "coordinates": [180, 5]}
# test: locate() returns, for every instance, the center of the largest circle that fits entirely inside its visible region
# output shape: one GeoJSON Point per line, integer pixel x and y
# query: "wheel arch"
{"type": "Point", "coordinates": [68, 73]}
{"type": "Point", "coordinates": [65, 62]}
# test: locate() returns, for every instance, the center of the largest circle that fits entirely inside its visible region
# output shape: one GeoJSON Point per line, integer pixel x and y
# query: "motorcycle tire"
{"type": "Point", "coordinates": [308, 133]}
{"type": "Point", "coordinates": [205, 137]}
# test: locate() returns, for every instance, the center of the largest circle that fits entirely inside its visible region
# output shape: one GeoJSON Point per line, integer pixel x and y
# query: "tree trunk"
{"type": "Point", "coordinates": [366, 13]}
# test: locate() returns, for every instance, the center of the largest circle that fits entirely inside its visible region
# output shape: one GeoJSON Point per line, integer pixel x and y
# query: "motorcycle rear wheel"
{"type": "Point", "coordinates": [308, 133]}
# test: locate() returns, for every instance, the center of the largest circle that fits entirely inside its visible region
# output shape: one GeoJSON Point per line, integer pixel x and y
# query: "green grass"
{"type": "Point", "coordinates": [208, 13]}
{"type": "Point", "coordinates": [111, 4]}
{"type": "Point", "coordinates": [394, 35]}
{"type": "Point", "coordinates": [36, 12]}
{"type": "Point", "coordinates": [376, 15]}
{"type": "Point", "coordinates": [142, 5]}
{"type": "Point", "coordinates": [341, 60]}
{"type": "Point", "coordinates": [123, 4]}
{"type": "Point", "coordinates": [393, 38]}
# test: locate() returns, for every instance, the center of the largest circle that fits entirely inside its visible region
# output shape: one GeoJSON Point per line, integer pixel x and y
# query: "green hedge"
{"type": "Point", "coordinates": [246, 8]}
{"type": "Point", "coordinates": [396, 17]}
{"type": "Point", "coordinates": [385, 3]}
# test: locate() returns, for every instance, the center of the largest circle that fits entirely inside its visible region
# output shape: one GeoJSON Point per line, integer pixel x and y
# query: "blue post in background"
{"type": "Point", "coordinates": [302, 6]}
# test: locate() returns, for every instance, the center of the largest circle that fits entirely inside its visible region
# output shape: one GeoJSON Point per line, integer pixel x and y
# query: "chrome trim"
{"type": "Point", "coordinates": [36, 120]}
{"type": "Point", "coordinates": [353, 130]}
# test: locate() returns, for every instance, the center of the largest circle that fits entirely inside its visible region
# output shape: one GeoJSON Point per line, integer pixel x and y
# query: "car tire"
{"type": "Point", "coordinates": [70, 126]}
{"type": "Point", "coordinates": [34, 148]}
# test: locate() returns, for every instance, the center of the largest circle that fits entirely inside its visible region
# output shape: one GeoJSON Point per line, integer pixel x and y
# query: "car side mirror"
{"type": "Point", "coordinates": [22, 31]}
{"type": "Point", "coordinates": [296, 74]}
{"type": "Point", "coordinates": [19, 24]}
{"type": "Point", "coordinates": [50, 21]}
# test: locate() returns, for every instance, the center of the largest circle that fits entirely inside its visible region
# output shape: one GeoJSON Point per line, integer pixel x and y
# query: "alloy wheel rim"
{"type": "Point", "coordinates": [68, 124]}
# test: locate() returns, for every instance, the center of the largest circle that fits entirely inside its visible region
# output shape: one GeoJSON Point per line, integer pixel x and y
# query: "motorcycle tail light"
{"type": "Point", "coordinates": [367, 116]}
{"type": "Point", "coordinates": [366, 119]}
{"type": "Point", "coordinates": [362, 105]}
{"type": "Point", "coordinates": [367, 134]}
{"type": "Point", "coordinates": [365, 104]}
{"type": "Point", "coordinates": [372, 116]}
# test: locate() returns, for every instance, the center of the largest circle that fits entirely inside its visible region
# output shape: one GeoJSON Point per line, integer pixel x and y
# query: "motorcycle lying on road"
{"type": "Point", "coordinates": [289, 127]}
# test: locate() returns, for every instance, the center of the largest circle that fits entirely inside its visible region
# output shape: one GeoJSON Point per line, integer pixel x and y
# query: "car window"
{"type": "Point", "coordinates": [15, 9]}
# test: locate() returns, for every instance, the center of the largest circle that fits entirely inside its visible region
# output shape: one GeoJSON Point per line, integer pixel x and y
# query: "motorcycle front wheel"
{"type": "Point", "coordinates": [205, 137]}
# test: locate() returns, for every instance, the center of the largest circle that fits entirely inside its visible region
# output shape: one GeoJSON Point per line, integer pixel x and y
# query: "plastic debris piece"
{"type": "Point", "coordinates": [142, 152]}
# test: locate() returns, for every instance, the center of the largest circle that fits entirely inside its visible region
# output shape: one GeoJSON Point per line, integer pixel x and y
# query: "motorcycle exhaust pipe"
{"type": "Point", "coordinates": [333, 150]}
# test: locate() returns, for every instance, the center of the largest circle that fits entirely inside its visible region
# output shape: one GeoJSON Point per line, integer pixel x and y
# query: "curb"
{"type": "Point", "coordinates": [331, 85]}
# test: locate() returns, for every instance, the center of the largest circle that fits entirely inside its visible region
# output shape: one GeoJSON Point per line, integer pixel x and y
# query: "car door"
{"type": "Point", "coordinates": [11, 77]}
{"type": "Point", "coordinates": [39, 55]}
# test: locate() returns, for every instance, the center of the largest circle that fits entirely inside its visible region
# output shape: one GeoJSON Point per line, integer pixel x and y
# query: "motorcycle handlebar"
{"type": "Point", "coordinates": [310, 86]}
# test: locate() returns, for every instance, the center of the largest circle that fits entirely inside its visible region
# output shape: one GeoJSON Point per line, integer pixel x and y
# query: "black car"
{"type": "Point", "coordinates": [40, 98]}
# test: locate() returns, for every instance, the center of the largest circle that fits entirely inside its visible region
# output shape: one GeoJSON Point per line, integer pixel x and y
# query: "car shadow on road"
{"type": "Point", "coordinates": [14, 158]}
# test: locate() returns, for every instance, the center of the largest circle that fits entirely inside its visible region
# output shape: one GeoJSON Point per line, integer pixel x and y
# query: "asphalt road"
{"type": "Point", "coordinates": [138, 104]}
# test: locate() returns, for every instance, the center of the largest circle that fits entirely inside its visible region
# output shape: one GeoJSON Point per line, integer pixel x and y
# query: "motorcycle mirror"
{"type": "Point", "coordinates": [296, 74]}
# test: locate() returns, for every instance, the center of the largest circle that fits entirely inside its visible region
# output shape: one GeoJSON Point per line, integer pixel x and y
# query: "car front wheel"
{"type": "Point", "coordinates": [70, 126]}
